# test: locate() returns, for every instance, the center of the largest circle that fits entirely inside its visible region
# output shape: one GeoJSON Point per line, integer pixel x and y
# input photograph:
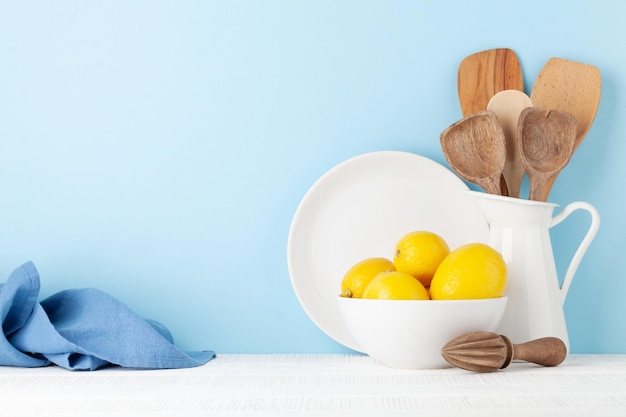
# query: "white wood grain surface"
{"type": "Point", "coordinates": [319, 385]}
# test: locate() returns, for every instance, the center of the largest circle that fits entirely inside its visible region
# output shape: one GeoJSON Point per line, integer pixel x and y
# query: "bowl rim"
{"type": "Point", "coordinates": [504, 298]}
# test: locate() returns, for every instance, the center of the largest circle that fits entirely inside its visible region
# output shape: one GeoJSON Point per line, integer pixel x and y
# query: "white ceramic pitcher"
{"type": "Point", "coordinates": [519, 230]}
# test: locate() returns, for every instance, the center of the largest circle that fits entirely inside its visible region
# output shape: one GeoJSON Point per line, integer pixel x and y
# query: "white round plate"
{"type": "Point", "coordinates": [360, 209]}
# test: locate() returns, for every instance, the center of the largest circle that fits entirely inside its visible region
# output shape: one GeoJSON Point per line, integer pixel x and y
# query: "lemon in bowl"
{"type": "Point", "coordinates": [361, 274]}
{"type": "Point", "coordinates": [471, 271]}
{"type": "Point", "coordinates": [395, 285]}
{"type": "Point", "coordinates": [402, 324]}
{"type": "Point", "coordinates": [419, 253]}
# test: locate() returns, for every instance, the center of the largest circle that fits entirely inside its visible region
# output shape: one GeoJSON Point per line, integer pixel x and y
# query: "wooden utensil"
{"type": "Point", "coordinates": [475, 149]}
{"type": "Point", "coordinates": [570, 86]}
{"type": "Point", "coordinates": [488, 352]}
{"type": "Point", "coordinates": [507, 105]}
{"type": "Point", "coordinates": [546, 143]}
{"type": "Point", "coordinates": [483, 74]}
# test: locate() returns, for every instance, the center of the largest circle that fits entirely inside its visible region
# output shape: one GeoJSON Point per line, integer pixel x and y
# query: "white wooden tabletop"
{"type": "Point", "coordinates": [319, 385]}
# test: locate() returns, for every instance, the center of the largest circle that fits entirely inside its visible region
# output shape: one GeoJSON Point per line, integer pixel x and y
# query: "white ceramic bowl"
{"type": "Point", "coordinates": [410, 333]}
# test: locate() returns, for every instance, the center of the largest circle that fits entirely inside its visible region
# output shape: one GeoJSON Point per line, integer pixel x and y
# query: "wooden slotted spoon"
{"type": "Point", "coordinates": [572, 87]}
{"type": "Point", "coordinates": [546, 144]}
{"type": "Point", "coordinates": [475, 149]}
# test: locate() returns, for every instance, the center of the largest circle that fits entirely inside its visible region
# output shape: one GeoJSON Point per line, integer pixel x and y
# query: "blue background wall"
{"type": "Point", "coordinates": [158, 150]}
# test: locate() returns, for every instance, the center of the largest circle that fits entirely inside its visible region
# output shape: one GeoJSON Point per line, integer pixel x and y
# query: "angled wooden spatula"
{"type": "Point", "coordinates": [572, 87]}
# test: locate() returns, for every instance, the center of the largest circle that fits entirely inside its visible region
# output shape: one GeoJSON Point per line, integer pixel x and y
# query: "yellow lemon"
{"type": "Point", "coordinates": [395, 285]}
{"type": "Point", "coordinates": [470, 271]}
{"type": "Point", "coordinates": [361, 274]}
{"type": "Point", "coordinates": [419, 254]}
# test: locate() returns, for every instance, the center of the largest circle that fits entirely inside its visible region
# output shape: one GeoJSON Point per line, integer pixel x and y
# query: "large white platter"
{"type": "Point", "coordinates": [360, 209]}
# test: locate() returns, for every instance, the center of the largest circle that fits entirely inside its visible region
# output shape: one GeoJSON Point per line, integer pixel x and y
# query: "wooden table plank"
{"type": "Point", "coordinates": [319, 385]}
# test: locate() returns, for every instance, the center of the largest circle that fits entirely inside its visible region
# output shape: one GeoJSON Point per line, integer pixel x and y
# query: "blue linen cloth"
{"type": "Point", "coordinates": [81, 329]}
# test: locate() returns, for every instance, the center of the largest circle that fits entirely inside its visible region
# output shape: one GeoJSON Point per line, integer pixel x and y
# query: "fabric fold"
{"type": "Point", "coordinates": [81, 329]}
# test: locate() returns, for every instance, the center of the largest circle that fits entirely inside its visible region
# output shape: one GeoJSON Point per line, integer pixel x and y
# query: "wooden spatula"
{"type": "Point", "coordinates": [483, 74]}
{"type": "Point", "coordinates": [569, 86]}
{"type": "Point", "coordinates": [572, 87]}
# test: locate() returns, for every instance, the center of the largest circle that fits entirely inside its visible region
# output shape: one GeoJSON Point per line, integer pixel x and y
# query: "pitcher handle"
{"type": "Point", "coordinates": [584, 244]}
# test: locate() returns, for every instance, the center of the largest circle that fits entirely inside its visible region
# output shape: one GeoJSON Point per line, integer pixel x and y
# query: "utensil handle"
{"type": "Point", "coordinates": [547, 351]}
{"type": "Point", "coordinates": [584, 244]}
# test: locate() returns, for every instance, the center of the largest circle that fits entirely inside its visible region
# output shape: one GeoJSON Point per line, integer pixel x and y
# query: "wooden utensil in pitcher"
{"type": "Point", "coordinates": [508, 105]}
{"type": "Point", "coordinates": [569, 86]}
{"type": "Point", "coordinates": [546, 143]}
{"type": "Point", "coordinates": [475, 149]}
{"type": "Point", "coordinates": [483, 74]}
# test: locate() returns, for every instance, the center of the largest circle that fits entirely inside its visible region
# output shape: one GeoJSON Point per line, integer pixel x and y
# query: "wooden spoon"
{"type": "Point", "coordinates": [483, 74]}
{"type": "Point", "coordinates": [507, 105]}
{"type": "Point", "coordinates": [572, 87]}
{"type": "Point", "coordinates": [546, 144]}
{"type": "Point", "coordinates": [475, 148]}
{"type": "Point", "coordinates": [488, 352]}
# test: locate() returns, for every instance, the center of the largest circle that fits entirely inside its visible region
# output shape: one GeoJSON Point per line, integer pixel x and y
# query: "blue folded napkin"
{"type": "Point", "coordinates": [81, 329]}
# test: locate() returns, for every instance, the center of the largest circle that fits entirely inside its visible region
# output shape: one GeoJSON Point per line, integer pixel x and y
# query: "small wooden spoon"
{"type": "Point", "coordinates": [483, 74]}
{"type": "Point", "coordinates": [488, 352]}
{"type": "Point", "coordinates": [507, 105]}
{"type": "Point", "coordinates": [475, 148]}
{"type": "Point", "coordinates": [546, 144]}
